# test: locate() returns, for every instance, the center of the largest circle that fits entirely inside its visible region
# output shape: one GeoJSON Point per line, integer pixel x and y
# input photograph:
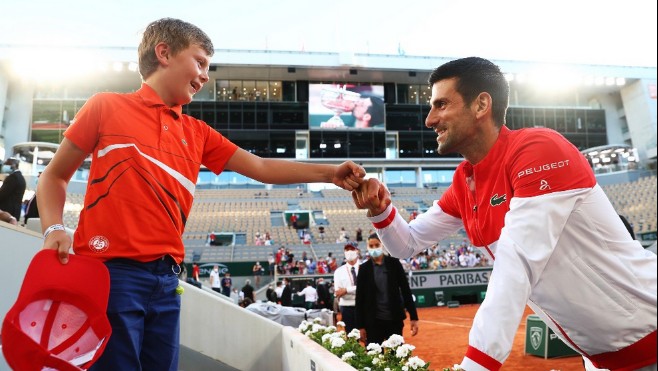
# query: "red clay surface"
{"type": "Point", "coordinates": [443, 338]}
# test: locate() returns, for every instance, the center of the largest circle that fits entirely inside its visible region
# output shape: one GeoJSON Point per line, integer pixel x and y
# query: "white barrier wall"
{"type": "Point", "coordinates": [301, 353]}
{"type": "Point", "coordinates": [210, 324]}
{"type": "Point", "coordinates": [17, 247]}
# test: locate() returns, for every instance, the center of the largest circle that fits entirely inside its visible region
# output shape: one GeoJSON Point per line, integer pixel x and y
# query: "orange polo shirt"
{"type": "Point", "coordinates": [146, 159]}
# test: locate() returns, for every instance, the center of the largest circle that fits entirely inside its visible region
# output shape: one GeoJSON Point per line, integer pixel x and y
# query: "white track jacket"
{"type": "Point", "coordinates": [558, 245]}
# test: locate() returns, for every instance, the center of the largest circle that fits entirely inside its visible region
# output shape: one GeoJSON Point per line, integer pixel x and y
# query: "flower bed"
{"type": "Point", "coordinates": [392, 355]}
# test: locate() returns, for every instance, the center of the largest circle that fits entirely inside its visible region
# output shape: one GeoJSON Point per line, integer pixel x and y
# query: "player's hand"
{"type": "Point", "coordinates": [372, 195]}
{"type": "Point", "coordinates": [60, 241]}
{"type": "Point", "coordinates": [349, 175]}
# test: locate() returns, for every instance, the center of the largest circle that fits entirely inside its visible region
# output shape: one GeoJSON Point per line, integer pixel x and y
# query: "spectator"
{"type": "Point", "coordinates": [324, 296]}
{"type": "Point", "coordinates": [310, 295]}
{"type": "Point", "coordinates": [321, 232]}
{"type": "Point", "coordinates": [227, 284]}
{"type": "Point", "coordinates": [358, 235]}
{"type": "Point", "coordinates": [270, 294]}
{"type": "Point", "coordinates": [345, 280]}
{"type": "Point", "coordinates": [12, 188]}
{"type": "Point", "coordinates": [195, 272]}
{"type": "Point", "coordinates": [286, 293]}
{"type": "Point", "coordinates": [248, 291]}
{"type": "Point", "coordinates": [258, 271]}
{"type": "Point", "coordinates": [278, 291]}
{"type": "Point", "coordinates": [382, 294]}
{"type": "Point", "coordinates": [215, 282]}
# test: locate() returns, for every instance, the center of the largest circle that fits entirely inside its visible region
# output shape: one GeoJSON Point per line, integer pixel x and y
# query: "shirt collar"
{"type": "Point", "coordinates": [152, 99]}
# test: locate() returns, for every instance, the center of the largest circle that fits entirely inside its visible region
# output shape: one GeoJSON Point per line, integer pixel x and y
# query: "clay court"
{"type": "Point", "coordinates": [443, 338]}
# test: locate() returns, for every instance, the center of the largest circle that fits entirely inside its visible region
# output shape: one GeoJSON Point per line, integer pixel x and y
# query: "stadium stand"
{"type": "Point", "coordinates": [250, 211]}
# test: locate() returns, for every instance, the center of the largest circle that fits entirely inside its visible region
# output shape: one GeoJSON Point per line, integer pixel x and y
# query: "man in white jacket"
{"type": "Point", "coordinates": [530, 200]}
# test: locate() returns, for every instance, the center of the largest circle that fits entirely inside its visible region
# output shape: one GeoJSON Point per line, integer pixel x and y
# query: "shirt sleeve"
{"type": "Point", "coordinates": [217, 150]}
{"type": "Point", "coordinates": [404, 240]}
{"type": "Point", "coordinates": [85, 128]}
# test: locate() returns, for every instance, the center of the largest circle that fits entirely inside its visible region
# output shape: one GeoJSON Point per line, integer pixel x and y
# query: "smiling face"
{"type": "Point", "coordinates": [453, 120]}
{"type": "Point", "coordinates": [182, 74]}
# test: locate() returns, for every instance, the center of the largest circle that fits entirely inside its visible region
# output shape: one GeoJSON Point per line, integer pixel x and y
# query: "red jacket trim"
{"type": "Point", "coordinates": [637, 355]}
{"type": "Point", "coordinates": [386, 222]}
{"type": "Point", "coordinates": [483, 359]}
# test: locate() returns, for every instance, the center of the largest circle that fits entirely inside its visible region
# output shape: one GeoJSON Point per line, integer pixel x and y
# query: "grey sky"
{"type": "Point", "coordinates": [579, 31]}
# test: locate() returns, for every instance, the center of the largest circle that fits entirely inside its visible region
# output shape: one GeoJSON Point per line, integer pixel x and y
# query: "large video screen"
{"type": "Point", "coordinates": [346, 106]}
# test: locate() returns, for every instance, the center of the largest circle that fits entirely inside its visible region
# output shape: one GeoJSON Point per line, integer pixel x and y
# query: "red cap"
{"type": "Point", "coordinates": [59, 319]}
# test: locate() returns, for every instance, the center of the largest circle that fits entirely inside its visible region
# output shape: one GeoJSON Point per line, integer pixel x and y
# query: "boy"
{"type": "Point", "coordinates": [146, 158]}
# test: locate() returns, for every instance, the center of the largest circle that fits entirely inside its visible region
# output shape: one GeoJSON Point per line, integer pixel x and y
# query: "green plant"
{"type": "Point", "coordinates": [392, 355]}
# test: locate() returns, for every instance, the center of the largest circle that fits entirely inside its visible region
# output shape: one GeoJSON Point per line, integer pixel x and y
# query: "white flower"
{"type": "Point", "coordinates": [303, 326]}
{"type": "Point", "coordinates": [340, 323]}
{"type": "Point", "coordinates": [393, 341]}
{"type": "Point", "coordinates": [366, 369]}
{"type": "Point", "coordinates": [374, 348]}
{"type": "Point", "coordinates": [375, 360]}
{"type": "Point", "coordinates": [337, 342]}
{"type": "Point", "coordinates": [404, 350]}
{"type": "Point", "coordinates": [317, 319]}
{"type": "Point", "coordinates": [347, 356]}
{"type": "Point", "coordinates": [458, 367]}
{"type": "Point", "coordinates": [331, 328]}
{"type": "Point", "coordinates": [415, 362]}
{"type": "Point", "coordinates": [387, 369]}
{"type": "Point", "coordinates": [405, 368]}
{"type": "Point", "coordinates": [355, 333]}
{"type": "Point", "coordinates": [325, 337]}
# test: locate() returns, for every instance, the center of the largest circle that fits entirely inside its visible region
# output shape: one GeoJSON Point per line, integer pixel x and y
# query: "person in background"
{"type": "Point", "coordinates": [215, 281]}
{"type": "Point", "coordinates": [195, 271]}
{"type": "Point", "coordinates": [226, 284]}
{"type": "Point", "coordinates": [12, 188]}
{"type": "Point", "coordinates": [147, 156]}
{"type": "Point", "coordinates": [345, 280]}
{"type": "Point", "coordinates": [7, 218]}
{"type": "Point", "coordinates": [257, 270]}
{"type": "Point", "coordinates": [382, 295]}
{"type": "Point", "coordinates": [310, 295]}
{"type": "Point", "coordinates": [286, 293]}
{"type": "Point", "coordinates": [248, 291]}
{"type": "Point", "coordinates": [528, 198]}
{"type": "Point", "coordinates": [324, 296]}
{"type": "Point", "coordinates": [270, 294]}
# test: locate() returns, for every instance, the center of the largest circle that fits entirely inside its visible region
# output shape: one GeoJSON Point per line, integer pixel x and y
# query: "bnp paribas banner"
{"type": "Point", "coordinates": [460, 277]}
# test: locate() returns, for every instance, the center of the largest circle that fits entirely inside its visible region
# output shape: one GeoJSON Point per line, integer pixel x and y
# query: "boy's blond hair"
{"type": "Point", "coordinates": [177, 34]}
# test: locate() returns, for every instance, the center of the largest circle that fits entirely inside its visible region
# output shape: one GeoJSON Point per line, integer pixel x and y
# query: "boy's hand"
{"type": "Point", "coordinates": [349, 175]}
{"type": "Point", "coordinates": [60, 241]}
{"type": "Point", "coordinates": [373, 195]}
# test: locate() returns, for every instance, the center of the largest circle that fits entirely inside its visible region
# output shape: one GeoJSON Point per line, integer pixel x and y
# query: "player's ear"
{"type": "Point", "coordinates": [483, 103]}
{"type": "Point", "coordinates": [162, 53]}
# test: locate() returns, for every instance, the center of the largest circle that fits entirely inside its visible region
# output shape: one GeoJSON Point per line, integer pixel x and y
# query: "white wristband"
{"type": "Point", "coordinates": [54, 227]}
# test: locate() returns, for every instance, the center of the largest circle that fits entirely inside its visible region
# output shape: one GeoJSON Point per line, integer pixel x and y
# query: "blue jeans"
{"type": "Point", "coordinates": [144, 311]}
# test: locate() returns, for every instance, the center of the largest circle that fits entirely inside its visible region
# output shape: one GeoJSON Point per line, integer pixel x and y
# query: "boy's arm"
{"type": "Point", "coordinates": [347, 175]}
{"type": "Point", "coordinates": [51, 195]}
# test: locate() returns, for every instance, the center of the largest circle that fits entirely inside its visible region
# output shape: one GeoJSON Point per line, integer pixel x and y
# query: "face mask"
{"type": "Point", "coordinates": [376, 253]}
{"type": "Point", "coordinates": [6, 169]}
{"type": "Point", "coordinates": [351, 255]}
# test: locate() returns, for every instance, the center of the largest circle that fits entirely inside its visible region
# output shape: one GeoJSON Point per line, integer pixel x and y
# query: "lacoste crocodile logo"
{"type": "Point", "coordinates": [497, 200]}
